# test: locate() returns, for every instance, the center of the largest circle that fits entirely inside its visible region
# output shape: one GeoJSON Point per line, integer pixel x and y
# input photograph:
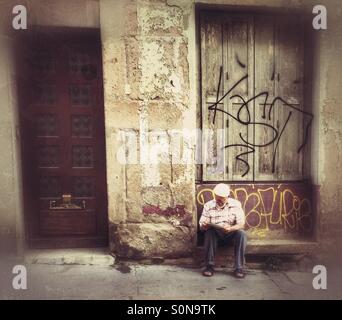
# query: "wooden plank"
{"type": "Point", "coordinates": [289, 87]}
{"type": "Point", "coordinates": [239, 65]}
{"type": "Point", "coordinates": [213, 122]}
{"type": "Point", "coordinates": [250, 81]}
{"type": "Point", "coordinates": [264, 83]}
{"type": "Point", "coordinates": [225, 100]}
{"type": "Point", "coordinates": [307, 96]}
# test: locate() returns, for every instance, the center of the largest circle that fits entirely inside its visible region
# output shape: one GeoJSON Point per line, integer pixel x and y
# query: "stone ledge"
{"type": "Point", "coordinates": [98, 256]}
{"type": "Point", "coordinates": [272, 247]}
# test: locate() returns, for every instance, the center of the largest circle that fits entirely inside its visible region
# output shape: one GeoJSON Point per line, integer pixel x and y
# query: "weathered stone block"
{"type": "Point", "coordinates": [163, 70]}
{"type": "Point", "coordinates": [133, 73]}
{"type": "Point", "coordinates": [146, 240]}
{"type": "Point", "coordinates": [134, 209]}
{"type": "Point", "coordinates": [114, 58]}
{"type": "Point", "coordinates": [182, 193]}
{"type": "Point", "coordinates": [123, 114]}
{"type": "Point", "coordinates": [160, 20]}
{"type": "Point", "coordinates": [133, 193]}
{"type": "Point", "coordinates": [157, 196]}
{"type": "Point", "coordinates": [131, 21]}
{"type": "Point", "coordinates": [164, 115]}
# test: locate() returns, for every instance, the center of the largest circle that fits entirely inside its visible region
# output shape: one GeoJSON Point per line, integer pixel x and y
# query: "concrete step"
{"type": "Point", "coordinates": [261, 252]}
{"type": "Point", "coordinates": [258, 251]}
{"type": "Point", "coordinates": [273, 247]}
{"type": "Point", "coordinates": [83, 256]}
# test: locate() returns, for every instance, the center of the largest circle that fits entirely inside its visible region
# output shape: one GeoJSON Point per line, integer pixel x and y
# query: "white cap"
{"type": "Point", "coordinates": [222, 190]}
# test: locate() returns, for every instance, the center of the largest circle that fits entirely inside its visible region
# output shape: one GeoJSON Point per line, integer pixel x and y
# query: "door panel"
{"type": "Point", "coordinates": [62, 126]}
{"type": "Point", "coordinates": [213, 121]}
{"type": "Point", "coordinates": [252, 68]}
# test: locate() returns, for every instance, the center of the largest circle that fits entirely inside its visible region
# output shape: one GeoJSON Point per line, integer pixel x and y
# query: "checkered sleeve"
{"type": "Point", "coordinates": [205, 217]}
{"type": "Point", "coordinates": [239, 215]}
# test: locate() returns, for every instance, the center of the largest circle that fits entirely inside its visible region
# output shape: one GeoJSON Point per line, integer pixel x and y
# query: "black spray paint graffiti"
{"type": "Point", "coordinates": [251, 146]}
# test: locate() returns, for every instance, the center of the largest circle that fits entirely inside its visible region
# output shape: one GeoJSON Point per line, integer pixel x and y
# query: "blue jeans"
{"type": "Point", "coordinates": [213, 238]}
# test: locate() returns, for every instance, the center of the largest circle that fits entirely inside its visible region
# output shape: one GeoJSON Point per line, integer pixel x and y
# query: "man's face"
{"type": "Point", "coordinates": [220, 200]}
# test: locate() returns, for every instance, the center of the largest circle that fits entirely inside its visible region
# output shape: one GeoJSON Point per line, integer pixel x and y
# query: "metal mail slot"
{"type": "Point", "coordinates": [66, 204]}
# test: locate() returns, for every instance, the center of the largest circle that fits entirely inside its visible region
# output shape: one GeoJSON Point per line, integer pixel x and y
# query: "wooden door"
{"type": "Point", "coordinates": [63, 146]}
{"type": "Point", "coordinates": [252, 101]}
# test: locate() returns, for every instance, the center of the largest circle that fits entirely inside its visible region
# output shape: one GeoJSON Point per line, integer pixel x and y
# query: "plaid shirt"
{"type": "Point", "coordinates": [230, 214]}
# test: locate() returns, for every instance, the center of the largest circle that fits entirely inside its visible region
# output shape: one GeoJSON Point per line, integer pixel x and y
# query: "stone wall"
{"type": "Point", "coordinates": [147, 106]}
{"type": "Point", "coordinates": [150, 76]}
{"type": "Point", "coordinates": [327, 132]}
{"type": "Point", "coordinates": [11, 220]}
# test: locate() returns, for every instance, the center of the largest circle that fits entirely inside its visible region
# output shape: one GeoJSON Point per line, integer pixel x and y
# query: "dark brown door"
{"type": "Point", "coordinates": [62, 129]}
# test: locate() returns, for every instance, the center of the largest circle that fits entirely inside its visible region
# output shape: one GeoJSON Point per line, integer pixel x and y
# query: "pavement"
{"type": "Point", "coordinates": [96, 275]}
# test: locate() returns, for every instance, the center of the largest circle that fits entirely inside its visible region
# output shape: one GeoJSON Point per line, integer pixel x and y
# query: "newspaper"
{"type": "Point", "coordinates": [216, 226]}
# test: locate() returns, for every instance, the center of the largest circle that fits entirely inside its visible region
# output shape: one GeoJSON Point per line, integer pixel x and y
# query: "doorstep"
{"type": "Point", "coordinates": [272, 247]}
{"type": "Point", "coordinates": [83, 256]}
{"type": "Point", "coordinates": [291, 254]}
{"type": "Point", "coordinates": [102, 256]}
{"type": "Point", "coordinates": [282, 246]}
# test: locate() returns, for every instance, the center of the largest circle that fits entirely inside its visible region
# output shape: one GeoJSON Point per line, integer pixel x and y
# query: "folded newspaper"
{"type": "Point", "coordinates": [216, 226]}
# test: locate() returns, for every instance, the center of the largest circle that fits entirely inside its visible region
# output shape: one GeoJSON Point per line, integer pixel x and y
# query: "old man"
{"type": "Point", "coordinates": [223, 221]}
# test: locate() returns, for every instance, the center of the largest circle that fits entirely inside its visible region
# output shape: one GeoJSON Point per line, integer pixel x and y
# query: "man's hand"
{"type": "Point", "coordinates": [236, 227]}
{"type": "Point", "coordinates": [204, 226]}
{"type": "Point", "coordinates": [227, 228]}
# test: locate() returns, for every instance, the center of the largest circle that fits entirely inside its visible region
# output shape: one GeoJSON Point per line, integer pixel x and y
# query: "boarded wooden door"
{"type": "Point", "coordinates": [62, 130]}
{"type": "Point", "coordinates": [252, 75]}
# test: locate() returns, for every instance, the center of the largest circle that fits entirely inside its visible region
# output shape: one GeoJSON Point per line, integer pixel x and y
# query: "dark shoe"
{"type": "Point", "coordinates": [208, 271]}
{"type": "Point", "coordinates": [238, 273]}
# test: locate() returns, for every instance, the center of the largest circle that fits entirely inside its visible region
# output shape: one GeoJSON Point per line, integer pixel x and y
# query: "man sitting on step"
{"type": "Point", "coordinates": [223, 220]}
